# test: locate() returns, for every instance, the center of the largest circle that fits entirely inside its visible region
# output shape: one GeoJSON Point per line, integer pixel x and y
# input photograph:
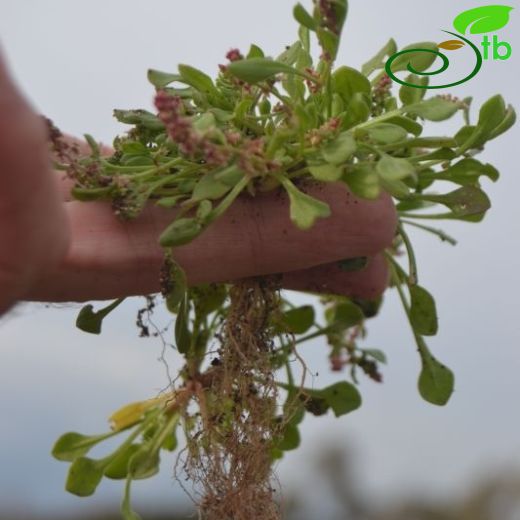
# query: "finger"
{"type": "Point", "coordinates": [64, 182]}
{"type": "Point", "coordinates": [110, 258]}
{"type": "Point", "coordinates": [33, 230]}
{"type": "Point", "coordinates": [368, 283]}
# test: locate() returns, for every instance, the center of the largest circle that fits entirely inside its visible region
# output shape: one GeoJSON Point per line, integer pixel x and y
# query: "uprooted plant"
{"type": "Point", "coordinates": [271, 124]}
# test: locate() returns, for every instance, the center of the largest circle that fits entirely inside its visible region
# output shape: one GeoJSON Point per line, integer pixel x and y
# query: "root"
{"type": "Point", "coordinates": [229, 449]}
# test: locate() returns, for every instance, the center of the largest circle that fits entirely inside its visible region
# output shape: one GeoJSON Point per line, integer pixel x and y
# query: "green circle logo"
{"type": "Point", "coordinates": [444, 66]}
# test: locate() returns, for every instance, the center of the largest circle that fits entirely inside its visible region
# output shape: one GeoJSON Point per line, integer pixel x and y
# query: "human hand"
{"type": "Point", "coordinates": [34, 233]}
{"type": "Point", "coordinates": [76, 251]}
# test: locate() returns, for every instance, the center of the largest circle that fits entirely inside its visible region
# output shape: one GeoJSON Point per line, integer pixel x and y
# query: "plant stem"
{"type": "Point", "coordinates": [439, 232]}
{"type": "Point", "coordinates": [413, 276]}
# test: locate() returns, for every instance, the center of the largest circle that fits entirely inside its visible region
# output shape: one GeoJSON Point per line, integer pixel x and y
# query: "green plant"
{"type": "Point", "coordinates": [271, 124]}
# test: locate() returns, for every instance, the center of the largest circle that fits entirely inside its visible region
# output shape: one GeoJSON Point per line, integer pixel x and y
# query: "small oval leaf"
{"type": "Point", "coordinates": [254, 70]}
{"type": "Point", "coordinates": [423, 314]}
{"type": "Point", "coordinates": [433, 109]}
{"type": "Point", "coordinates": [342, 397]}
{"type": "Point", "coordinates": [436, 381]}
{"type": "Point", "coordinates": [340, 149]}
{"type": "Point", "coordinates": [326, 172]}
{"type": "Point", "coordinates": [299, 320]}
{"type": "Point", "coordinates": [304, 209]}
{"type": "Point", "coordinates": [84, 476]}
{"type": "Point", "coordinates": [90, 321]}
{"type": "Point", "coordinates": [179, 232]}
{"type": "Point", "coordinates": [72, 445]}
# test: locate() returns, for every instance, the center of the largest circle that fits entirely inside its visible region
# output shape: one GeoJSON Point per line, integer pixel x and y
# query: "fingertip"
{"type": "Point", "coordinates": [368, 283]}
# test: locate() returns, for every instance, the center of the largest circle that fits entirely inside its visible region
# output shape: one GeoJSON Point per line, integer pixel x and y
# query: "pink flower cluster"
{"type": "Point", "coordinates": [181, 131]}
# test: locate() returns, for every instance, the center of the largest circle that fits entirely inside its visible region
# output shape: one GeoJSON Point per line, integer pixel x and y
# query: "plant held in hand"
{"type": "Point", "coordinates": [283, 125]}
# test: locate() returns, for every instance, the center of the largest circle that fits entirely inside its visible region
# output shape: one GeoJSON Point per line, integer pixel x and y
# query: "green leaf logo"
{"type": "Point", "coordinates": [484, 19]}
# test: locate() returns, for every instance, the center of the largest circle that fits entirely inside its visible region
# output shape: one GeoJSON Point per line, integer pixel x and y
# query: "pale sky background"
{"type": "Point", "coordinates": [76, 61]}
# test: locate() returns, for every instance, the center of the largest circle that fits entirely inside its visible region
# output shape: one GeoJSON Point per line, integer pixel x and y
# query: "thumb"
{"type": "Point", "coordinates": [33, 226]}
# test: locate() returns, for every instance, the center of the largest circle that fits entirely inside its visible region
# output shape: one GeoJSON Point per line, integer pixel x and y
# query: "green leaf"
{"type": "Point", "coordinates": [376, 354]}
{"type": "Point", "coordinates": [484, 19]}
{"type": "Point", "coordinates": [144, 463]}
{"type": "Point", "coordinates": [411, 126]}
{"type": "Point", "coordinates": [169, 202]}
{"type": "Point", "coordinates": [179, 232]}
{"type": "Point", "coordinates": [386, 133]}
{"type": "Point", "coordinates": [465, 201]}
{"type": "Point", "coordinates": [342, 397]}
{"type": "Point", "coordinates": [204, 123]}
{"type": "Point", "coordinates": [358, 111]}
{"type": "Point", "coordinates": [161, 79]}
{"type": "Point", "coordinates": [184, 93]}
{"type": "Point", "coordinates": [340, 149]}
{"type": "Point", "coordinates": [204, 211]}
{"type": "Point", "coordinates": [72, 445]}
{"type": "Point", "coordinates": [329, 41]}
{"type": "Point", "coordinates": [304, 18]}
{"type": "Point", "coordinates": [431, 142]}
{"type": "Point", "coordinates": [182, 333]}
{"type": "Point", "coordinates": [436, 381]}
{"type": "Point", "coordinates": [369, 308]}
{"type": "Point", "coordinates": [423, 313]}
{"type": "Point", "coordinates": [299, 320]}
{"type": "Point", "coordinates": [508, 121]}
{"type": "Point", "coordinates": [325, 172]}
{"type": "Point", "coordinates": [433, 109]}
{"type": "Point", "coordinates": [347, 81]}
{"type": "Point", "coordinates": [90, 321]}
{"type": "Point", "coordinates": [290, 55]}
{"type": "Point", "coordinates": [255, 52]}
{"type": "Point", "coordinates": [196, 79]}
{"type": "Point", "coordinates": [291, 438]}
{"type": "Point", "coordinates": [254, 70]}
{"type": "Point", "coordinates": [350, 265]}
{"type": "Point", "coordinates": [364, 182]}
{"type": "Point", "coordinates": [304, 209]}
{"type": "Point", "coordinates": [394, 168]}
{"type": "Point", "coordinates": [305, 39]}
{"type": "Point", "coordinates": [315, 404]}
{"type": "Point", "coordinates": [410, 95]}
{"type": "Point", "coordinates": [84, 476]}
{"type": "Point", "coordinates": [118, 467]}
{"type": "Point", "coordinates": [207, 298]}
{"type": "Point", "coordinates": [90, 194]}
{"type": "Point", "coordinates": [140, 118]}
{"type": "Point", "coordinates": [467, 172]}
{"type": "Point", "coordinates": [176, 285]}
{"type": "Point", "coordinates": [444, 154]}
{"type": "Point", "coordinates": [344, 315]}
{"type": "Point", "coordinates": [209, 187]}
{"type": "Point", "coordinates": [398, 189]}
{"type": "Point", "coordinates": [170, 442]}
{"type": "Point", "coordinates": [491, 114]}
{"type": "Point", "coordinates": [378, 61]}
{"type": "Point", "coordinates": [231, 175]}
{"type": "Point", "coordinates": [339, 10]}
{"type": "Point", "coordinates": [420, 57]}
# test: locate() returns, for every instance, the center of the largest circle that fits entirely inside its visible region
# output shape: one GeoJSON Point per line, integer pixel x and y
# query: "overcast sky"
{"type": "Point", "coordinates": [76, 61]}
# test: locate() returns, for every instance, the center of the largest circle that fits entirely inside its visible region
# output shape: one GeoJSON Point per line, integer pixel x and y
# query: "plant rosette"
{"type": "Point", "coordinates": [272, 124]}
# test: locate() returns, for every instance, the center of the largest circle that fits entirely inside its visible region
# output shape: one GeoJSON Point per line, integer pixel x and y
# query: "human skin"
{"type": "Point", "coordinates": [53, 248]}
